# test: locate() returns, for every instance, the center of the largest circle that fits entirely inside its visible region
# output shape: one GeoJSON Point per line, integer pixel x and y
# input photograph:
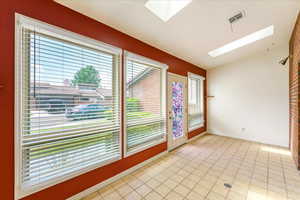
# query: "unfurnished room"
{"type": "Point", "coordinates": [150, 99]}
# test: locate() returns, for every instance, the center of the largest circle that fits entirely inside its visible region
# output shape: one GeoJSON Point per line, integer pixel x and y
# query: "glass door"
{"type": "Point", "coordinates": [177, 110]}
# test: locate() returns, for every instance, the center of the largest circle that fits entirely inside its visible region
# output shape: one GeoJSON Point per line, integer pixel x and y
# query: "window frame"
{"type": "Point", "coordinates": [22, 21]}
{"type": "Point", "coordinates": [164, 67]}
{"type": "Point", "coordinates": [201, 98]}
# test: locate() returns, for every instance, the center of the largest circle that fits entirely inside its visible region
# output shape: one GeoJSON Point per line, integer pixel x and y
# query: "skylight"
{"type": "Point", "coordinates": [261, 34]}
{"type": "Point", "coordinates": [165, 9]}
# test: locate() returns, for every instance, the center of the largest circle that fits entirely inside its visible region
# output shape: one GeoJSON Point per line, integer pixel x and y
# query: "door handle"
{"type": "Point", "coordinates": [170, 115]}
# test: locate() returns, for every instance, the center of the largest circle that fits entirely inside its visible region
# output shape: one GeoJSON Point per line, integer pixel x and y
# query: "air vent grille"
{"type": "Point", "coordinates": [236, 17]}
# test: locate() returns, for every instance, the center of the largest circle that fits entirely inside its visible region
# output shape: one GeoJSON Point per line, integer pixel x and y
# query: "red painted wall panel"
{"type": "Point", "coordinates": [82, 182]}
{"type": "Point", "coordinates": [55, 14]}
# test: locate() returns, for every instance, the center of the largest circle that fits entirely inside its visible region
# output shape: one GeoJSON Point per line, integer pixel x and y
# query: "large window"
{"type": "Point", "coordinates": [195, 99]}
{"type": "Point", "coordinates": [145, 103]}
{"type": "Point", "coordinates": [68, 114]}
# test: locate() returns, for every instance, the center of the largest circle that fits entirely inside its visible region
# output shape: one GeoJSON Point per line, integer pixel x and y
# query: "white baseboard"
{"type": "Point", "coordinates": [197, 136]}
{"type": "Point", "coordinates": [124, 173]}
{"type": "Point", "coordinates": [115, 178]}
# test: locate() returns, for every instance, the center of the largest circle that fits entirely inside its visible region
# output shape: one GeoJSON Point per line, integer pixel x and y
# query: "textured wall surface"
{"type": "Point", "coordinates": [294, 92]}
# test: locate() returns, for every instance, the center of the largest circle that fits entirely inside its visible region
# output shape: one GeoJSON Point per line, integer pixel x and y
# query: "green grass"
{"type": "Point", "coordinates": [82, 142]}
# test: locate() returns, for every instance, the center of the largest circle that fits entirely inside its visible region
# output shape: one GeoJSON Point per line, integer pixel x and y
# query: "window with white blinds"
{"type": "Point", "coordinates": [68, 103]}
{"type": "Point", "coordinates": [195, 99]}
{"type": "Point", "coordinates": [145, 103]}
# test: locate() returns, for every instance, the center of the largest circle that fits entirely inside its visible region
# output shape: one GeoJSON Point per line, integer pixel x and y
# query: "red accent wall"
{"type": "Point", "coordinates": [55, 14]}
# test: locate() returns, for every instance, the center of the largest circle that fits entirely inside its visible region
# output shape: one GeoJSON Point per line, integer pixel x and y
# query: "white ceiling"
{"type": "Point", "coordinates": [199, 28]}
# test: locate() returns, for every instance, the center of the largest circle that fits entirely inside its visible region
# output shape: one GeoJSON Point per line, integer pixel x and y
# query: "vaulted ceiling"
{"type": "Point", "coordinates": [199, 28]}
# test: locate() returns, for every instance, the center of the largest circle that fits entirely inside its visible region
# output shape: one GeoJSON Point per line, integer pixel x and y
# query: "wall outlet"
{"type": "Point", "coordinates": [243, 129]}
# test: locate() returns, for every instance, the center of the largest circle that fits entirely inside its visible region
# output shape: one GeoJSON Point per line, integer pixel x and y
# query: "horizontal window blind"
{"type": "Point", "coordinates": [70, 116]}
{"type": "Point", "coordinates": [145, 110]}
{"type": "Point", "coordinates": [195, 94]}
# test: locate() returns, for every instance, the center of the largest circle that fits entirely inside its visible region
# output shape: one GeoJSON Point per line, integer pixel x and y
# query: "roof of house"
{"type": "Point", "coordinates": [48, 89]}
{"type": "Point", "coordinates": [138, 77]}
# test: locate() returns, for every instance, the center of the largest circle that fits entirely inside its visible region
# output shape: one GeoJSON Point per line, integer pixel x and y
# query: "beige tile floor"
{"type": "Point", "coordinates": [198, 171]}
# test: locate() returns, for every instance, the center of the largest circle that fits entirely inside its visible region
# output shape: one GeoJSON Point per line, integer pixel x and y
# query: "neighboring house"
{"type": "Point", "coordinates": [145, 86]}
{"type": "Point", "coordinates": [46, 95]}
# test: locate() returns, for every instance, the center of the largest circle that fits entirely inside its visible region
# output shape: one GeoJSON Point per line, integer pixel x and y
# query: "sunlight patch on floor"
{"type": "Point", "coordinates": [276, 150]}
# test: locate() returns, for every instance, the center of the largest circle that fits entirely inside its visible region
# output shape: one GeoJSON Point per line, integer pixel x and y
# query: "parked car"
{"type": "Point", "coordinates": [86, 111]}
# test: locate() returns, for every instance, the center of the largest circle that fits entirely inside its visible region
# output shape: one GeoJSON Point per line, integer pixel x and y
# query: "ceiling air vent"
{"type": "Point", "coordinates": [236, 17]}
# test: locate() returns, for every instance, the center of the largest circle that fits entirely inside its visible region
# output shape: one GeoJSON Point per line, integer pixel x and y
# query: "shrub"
{"type": "Point", "coordinates": [132, 115]}
{"type": "Point", "coordinates": [133, 104]}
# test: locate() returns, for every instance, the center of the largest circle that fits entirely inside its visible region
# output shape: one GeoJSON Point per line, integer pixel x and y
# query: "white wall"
{"type": "Point", "coordinates": [251, 99]}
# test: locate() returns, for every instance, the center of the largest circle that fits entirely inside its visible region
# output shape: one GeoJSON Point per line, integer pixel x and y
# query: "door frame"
{"type": "Point", "coordinates": [169, 135]}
